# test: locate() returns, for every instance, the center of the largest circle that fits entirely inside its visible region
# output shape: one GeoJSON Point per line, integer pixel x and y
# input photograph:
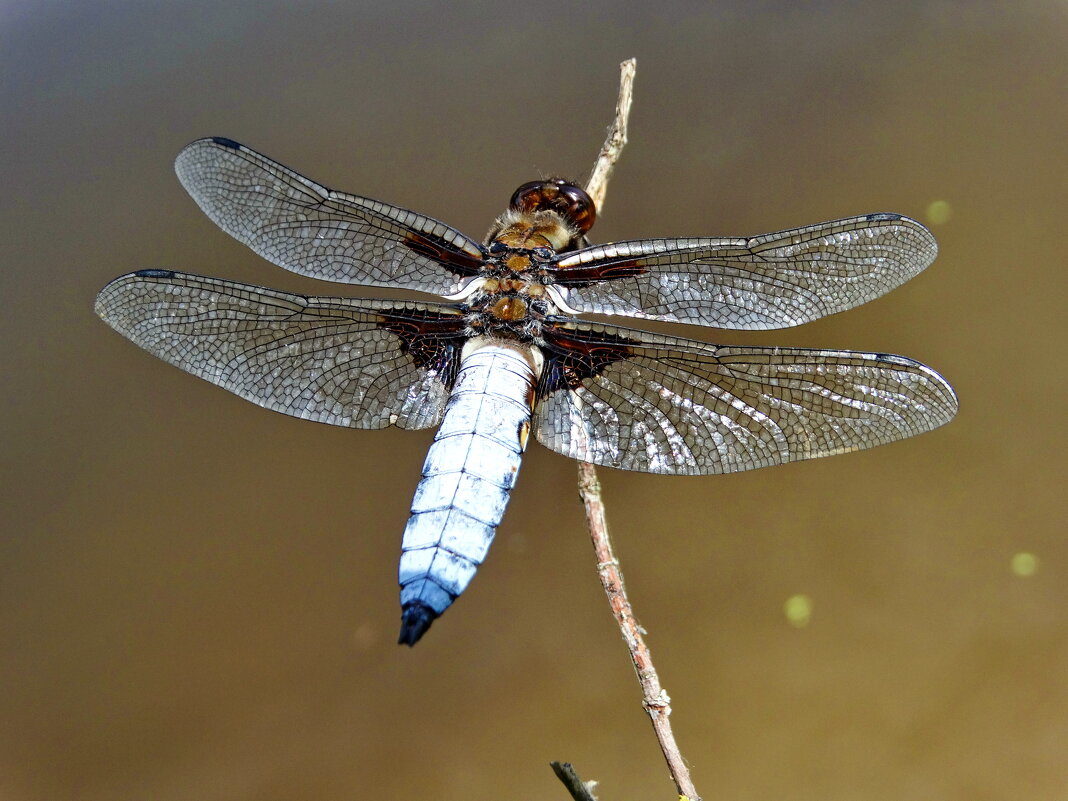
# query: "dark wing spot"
{"type": "Point", "coordinates": [882, 217]}
{"type": "Point", "coordinates": [224, 142]}
{"type": "Point", "coordinates": [891, 358]}
{"type": "Point", "coordinates": [154, 274]}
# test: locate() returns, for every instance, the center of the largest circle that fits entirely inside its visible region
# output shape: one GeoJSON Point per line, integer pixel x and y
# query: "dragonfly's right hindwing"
{"type": "Point", "coordinates": [345, 362]}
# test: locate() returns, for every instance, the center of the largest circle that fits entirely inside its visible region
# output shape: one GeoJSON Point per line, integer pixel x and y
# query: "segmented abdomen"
{"type": "Point", "coordinates": [468, 473]}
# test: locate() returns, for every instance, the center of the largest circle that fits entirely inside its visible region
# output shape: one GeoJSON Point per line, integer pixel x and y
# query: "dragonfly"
{"type": "Point", "coordinates": [503, 354]}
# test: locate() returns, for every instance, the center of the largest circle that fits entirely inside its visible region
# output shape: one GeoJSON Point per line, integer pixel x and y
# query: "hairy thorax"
{"type": "Point", "coordinates": [511, 297]}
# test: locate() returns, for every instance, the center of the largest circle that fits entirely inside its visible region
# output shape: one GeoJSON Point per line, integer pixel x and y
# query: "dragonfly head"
{"type": "Point", "coordinates": [555, 194]}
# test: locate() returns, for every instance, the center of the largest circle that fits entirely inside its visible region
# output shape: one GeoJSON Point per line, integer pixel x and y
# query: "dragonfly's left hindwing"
{"type": "Point", "coordinates": [355, 363]}
{"type": "Point", "coordinates": [641, 401]}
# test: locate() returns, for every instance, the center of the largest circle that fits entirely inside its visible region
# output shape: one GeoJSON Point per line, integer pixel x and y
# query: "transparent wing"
{"type": "Point", "coordinates": [356, 363]}
{"type": "Point", "coordinates": [769, 281]}
{"type": "Point", "coordinates": [639, 401]}
{"type": "Point", "coordinates": [309, 229]}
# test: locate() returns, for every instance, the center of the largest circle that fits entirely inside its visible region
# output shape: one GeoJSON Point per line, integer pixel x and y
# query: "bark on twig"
{"type": "Point", "coordinates": [597, 186]}
{"type": "Point", "coordinates": [580, 790]}
{"type": "Point", "coordinates": [655, 699]}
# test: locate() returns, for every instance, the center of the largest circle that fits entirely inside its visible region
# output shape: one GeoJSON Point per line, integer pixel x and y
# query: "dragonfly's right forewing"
{"type": "Point", "coordinates": [304, 227]}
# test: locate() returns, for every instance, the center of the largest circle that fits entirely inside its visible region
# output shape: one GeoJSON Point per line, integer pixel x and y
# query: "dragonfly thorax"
{"type": "Point", "coordinates": [508, 308]}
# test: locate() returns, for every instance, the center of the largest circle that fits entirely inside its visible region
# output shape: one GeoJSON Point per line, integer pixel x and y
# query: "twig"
{"type": "Point", "coordinates": [597, 186]}
{"type": "Point", "coordinates": [580, 790]}
{"type": "Point", "coordinates": [655, 700]}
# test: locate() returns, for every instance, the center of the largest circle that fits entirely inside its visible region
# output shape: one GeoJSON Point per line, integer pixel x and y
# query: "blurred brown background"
{"type": "Point", "coordinates": [197, 597]}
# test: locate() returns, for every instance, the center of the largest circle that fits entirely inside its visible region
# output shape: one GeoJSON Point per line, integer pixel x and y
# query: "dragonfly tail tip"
{"type": "Point", "coordinates": [416, 618]}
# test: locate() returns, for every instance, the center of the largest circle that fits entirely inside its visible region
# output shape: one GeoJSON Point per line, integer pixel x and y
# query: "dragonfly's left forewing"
{"type": "Point", "coordinates": [768, 281]}
{"type": "Point", "coordinates": [355, 363]}
{"type": "Point", "coordinates": [640, 401]}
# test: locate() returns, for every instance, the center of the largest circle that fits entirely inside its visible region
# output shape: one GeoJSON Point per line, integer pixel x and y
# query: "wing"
{"type": "Point", "coordinates": [314, 231]}
{"type": "Point", "coordinates": [639, 401]}
{"type": "Point", "coordinates": [769, 281]}
{"type": "Point", "coordinates": [356, 363]}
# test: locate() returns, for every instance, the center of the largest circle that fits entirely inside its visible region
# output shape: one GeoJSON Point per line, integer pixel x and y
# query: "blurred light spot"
{"type": "Point", "coordinates": [1024, 564]}
{"type": "Point", "coordinates": [939, 212]}
{"type": "Point", "coordinates": [517, 542]}
{"type": "Point", "coordinates": [364, 637]}
{"type": "Point", "coordinates": [798, 609]}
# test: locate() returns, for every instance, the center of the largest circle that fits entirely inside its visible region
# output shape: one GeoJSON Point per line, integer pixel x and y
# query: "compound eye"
{"type": "Point", "coordinates": [579, 210]}
{"type": "Point", "coordinates": [529, 197]}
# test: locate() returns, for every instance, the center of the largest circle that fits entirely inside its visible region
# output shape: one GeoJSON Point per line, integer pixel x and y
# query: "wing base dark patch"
{"type": "Point", "coordinates": [438, 250]}
{"type": "Point", "coordinates": [582, 276]}
{"type": "Point", "coordinates": [571, 357]}
{"type": "Point", "coordinates": [432, 341]}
